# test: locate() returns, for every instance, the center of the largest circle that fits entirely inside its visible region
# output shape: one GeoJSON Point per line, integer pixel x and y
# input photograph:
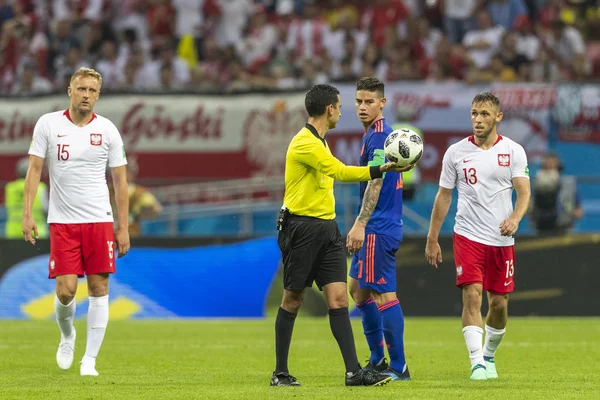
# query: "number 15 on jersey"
{"type": "Point", "coordinates": [63, 152]}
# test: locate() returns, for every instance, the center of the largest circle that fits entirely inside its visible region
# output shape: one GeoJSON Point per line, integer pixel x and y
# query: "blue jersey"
{"type": "Point", "coordinates": [387, 216]}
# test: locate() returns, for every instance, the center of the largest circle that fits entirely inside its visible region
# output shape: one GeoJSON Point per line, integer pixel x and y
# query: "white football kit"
{"type": "Point", "coordinates": [77, 159]}
{"type": "Point", "coordinates": [483, 179]}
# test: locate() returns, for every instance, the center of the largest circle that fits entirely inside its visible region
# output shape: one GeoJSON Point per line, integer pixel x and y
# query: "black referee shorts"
{"type": "Point", "coordinates": [312, 251]}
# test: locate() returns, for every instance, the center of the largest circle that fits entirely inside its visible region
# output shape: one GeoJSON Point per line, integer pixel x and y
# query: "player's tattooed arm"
{"type": "Point", "coordinates": [370, 199]}
{"type": "Point", "coordinates": [356, 236]}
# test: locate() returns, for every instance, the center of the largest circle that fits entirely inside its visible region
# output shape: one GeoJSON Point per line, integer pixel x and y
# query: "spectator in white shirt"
{"type": "Point", "coordinates": [347, 26]}
{"type": "Point", "coordinates": [481, 44]}
{"type": "Point", "coordinates": [168, 55]}
{"type": "Point", "coordinates": [132, 25]}
{"type": "Point", "coordinates": [109, 66]}
{"type": "Point", "coordinates": [188, 16]}
{"type": "Point", "coordinates": [137, 73]}
{"type": "Point", "coordinates": [256, 47]}
{"type": "Point", "coordinates": [234, 17]}
{"type": "Point", "coordinates": [528, 43]}
{"type": "Point", "coordinates": [565, 44]}
{"type": "Point", "coordinates": [90, 10]}
{"type": "Point", "coordinates": [306, 36]}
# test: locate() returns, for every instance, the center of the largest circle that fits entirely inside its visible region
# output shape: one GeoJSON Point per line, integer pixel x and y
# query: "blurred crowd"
{"type": "Point", "coordinates": [238, 45]}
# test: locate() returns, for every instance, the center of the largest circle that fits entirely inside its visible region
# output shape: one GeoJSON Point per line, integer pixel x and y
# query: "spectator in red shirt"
{"type": "Point", "coordinates": [382, 14]}
{"type": "Point", "coordinates": [161, 20]}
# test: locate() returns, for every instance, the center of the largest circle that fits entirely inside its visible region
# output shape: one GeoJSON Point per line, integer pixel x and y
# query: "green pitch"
{"type": "Point", "coordinates": [539, 359]}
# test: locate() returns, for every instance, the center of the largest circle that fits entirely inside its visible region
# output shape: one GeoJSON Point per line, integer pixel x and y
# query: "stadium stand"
{"type": "Point", "coordinates": [231, 45]}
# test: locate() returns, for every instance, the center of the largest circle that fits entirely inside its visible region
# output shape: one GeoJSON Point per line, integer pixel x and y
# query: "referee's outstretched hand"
{"type": "Point", "coordinates": [392, 167]}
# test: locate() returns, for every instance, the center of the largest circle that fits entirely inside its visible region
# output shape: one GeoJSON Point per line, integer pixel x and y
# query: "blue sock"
{"type": "Point", "coordinates": [393, 329]}
{"type": "Point", "coordinates": [372, 326]}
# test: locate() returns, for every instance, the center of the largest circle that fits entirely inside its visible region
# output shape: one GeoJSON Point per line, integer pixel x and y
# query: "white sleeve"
{"type": "Point", "coordinates": [39, 143]}
{"type": "Point", "coordinates": [448, 175]}
{"type": "Point", "coordinates": [116, 148]}
{"type": "Point", "coordinates": [519, 163]}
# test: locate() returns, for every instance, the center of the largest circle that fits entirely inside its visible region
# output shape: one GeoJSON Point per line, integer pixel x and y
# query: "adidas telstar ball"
{"type": "Point", "coordinates": [404, 147]}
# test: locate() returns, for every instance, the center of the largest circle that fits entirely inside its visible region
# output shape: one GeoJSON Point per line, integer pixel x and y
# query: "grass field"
{"type": "Point", "coordinates": [539, 359]}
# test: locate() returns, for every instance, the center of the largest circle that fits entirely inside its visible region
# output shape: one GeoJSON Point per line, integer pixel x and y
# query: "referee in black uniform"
{"type": "Point", "coordinates": [310, 240]}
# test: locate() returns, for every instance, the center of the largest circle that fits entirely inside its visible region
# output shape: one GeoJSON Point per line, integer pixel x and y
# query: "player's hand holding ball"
{"type": "Point", "coordinates": [122, 238]}
{"type": "Point", "coordinates": [393, 167]}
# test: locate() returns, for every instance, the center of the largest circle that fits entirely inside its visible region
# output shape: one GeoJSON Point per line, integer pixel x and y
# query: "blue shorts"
{"type": "Point", "coordinates": [374, 266]}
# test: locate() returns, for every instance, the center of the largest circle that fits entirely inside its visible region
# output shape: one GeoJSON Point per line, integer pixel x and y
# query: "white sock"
{"type": "Point", "coordinates": [64, 316]}
{"type": "Point", "coordinates": [473, 337]}
{"type": "Point", "coordinates": [97, 319]}
{"type": "Point", "coordinates": [493, 337]}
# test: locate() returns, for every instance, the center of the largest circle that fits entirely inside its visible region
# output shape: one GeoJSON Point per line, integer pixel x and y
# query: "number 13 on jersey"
{"type": "Point", "coordinates": [470, 175]}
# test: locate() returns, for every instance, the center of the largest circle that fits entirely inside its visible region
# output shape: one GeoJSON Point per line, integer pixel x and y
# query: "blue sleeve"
{"type": "Point", "coordinates": [375, 148]}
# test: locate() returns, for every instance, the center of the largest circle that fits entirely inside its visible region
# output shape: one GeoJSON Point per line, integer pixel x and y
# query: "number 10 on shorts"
{"type": "Point", "coordinates": [510, 268]}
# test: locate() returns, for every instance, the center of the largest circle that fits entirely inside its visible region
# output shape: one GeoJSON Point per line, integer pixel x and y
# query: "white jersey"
{"type": "Point", "coordinates": [77, 159]}
{"type": "Point", "coordinates": [483, 179]}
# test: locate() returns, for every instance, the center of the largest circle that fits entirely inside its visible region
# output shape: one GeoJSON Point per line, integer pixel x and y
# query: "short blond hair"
{"type": "Point", "coordinates": [83, 71]}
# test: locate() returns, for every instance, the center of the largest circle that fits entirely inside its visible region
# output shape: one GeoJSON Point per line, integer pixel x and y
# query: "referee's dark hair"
{"type": "Point", "coordinates": [318, 98]}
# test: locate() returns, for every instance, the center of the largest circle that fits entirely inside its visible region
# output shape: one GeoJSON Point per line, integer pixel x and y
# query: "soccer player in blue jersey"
{"type": "Point", "coordinates": [375, 238]}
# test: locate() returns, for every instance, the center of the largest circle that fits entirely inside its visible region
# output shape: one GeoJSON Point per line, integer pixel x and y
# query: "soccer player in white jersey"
{"type": "Point", "coordinates": [77, 145]}
{"type": "Point", "coordinates": [484, 168]}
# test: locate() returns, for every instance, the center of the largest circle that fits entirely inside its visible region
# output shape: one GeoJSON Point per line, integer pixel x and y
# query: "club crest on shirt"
{"type": "Point", "coordinates": [504, 160]}
{"type": "Point", "coordinates": [96, 139]}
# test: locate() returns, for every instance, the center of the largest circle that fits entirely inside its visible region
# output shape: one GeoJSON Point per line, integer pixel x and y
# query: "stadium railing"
{"type": "Point", "coordinates": [246, 207]}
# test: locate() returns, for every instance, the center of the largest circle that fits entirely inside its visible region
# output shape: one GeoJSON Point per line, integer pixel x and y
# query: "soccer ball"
{"type": "Point", "coordinates": [404, 147]}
